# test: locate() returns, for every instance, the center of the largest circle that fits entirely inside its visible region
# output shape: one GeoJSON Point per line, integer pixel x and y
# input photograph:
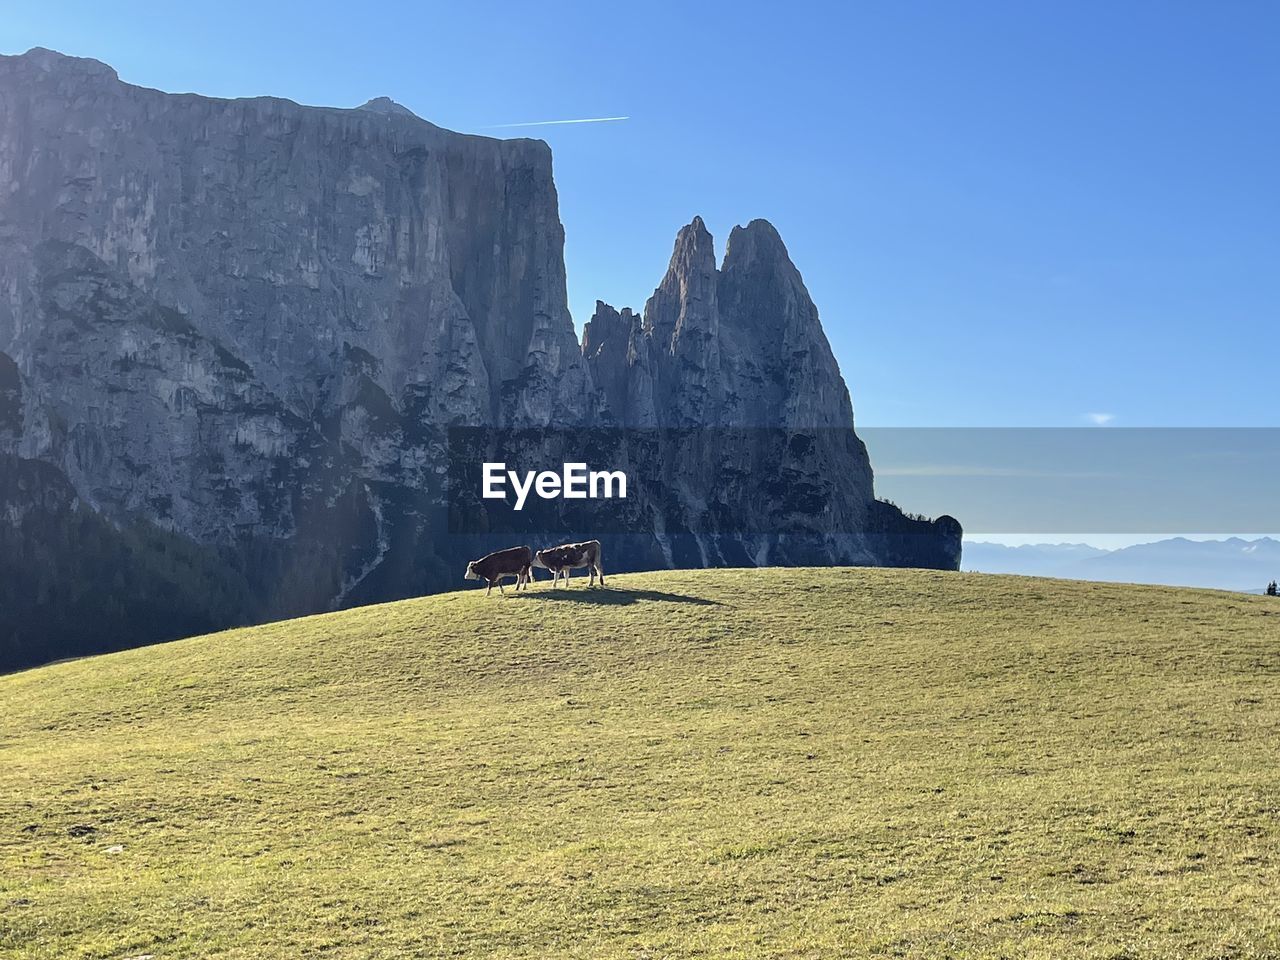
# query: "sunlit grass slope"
{"type": "Point", "coordinates": [784, 763]}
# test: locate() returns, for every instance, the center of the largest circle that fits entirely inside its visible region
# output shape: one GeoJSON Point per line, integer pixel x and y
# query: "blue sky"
{"type": "Point", "coordinates": [1008, 213]}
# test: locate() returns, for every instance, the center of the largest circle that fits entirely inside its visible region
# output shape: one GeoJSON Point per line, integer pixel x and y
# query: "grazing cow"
{"type": "Point", "coordinates": [512, 562]}
{"type": "Point", "coordinates": [571, 556]}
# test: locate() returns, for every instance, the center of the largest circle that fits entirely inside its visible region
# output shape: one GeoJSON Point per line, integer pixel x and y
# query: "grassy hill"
{"type": "Point", "coordinates": [783, 763]}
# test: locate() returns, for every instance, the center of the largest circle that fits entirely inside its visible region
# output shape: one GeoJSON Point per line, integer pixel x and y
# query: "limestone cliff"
{"type": "Point", "coordinates": [237, 331]}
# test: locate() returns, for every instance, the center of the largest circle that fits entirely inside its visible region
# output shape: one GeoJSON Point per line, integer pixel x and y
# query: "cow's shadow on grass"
{"type": "Point", "coordinates": [609, 597]}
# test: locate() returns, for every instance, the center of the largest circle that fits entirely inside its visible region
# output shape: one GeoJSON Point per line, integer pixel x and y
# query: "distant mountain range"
{"type": "Point", "coordinates": [1231, 564]}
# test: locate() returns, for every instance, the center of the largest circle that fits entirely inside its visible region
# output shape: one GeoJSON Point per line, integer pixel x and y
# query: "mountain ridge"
{"type": "Point", "coordinates": [1233, 563]}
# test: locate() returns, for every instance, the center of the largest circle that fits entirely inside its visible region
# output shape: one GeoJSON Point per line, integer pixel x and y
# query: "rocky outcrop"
{"type": "Point", "coordinates": [242, 329]}
{"type": "Point", "coordinates": [737, 346]}
{"type": "Point", "coordinates": [775, 472]}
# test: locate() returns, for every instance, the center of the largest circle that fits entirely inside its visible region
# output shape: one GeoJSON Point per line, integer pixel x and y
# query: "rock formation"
{"type": "Point", "coordinates": [774, 473]}
{"type": "Point", "coordinates": [245, 326]}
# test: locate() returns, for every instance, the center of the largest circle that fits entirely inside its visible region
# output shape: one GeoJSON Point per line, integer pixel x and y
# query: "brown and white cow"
{"type": "Point", "coordinates": [512, 562]}
{"type": "Point", "coordinates": [571, 556]}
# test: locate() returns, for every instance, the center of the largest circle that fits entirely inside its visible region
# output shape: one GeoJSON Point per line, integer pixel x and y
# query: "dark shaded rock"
{"type": "Point", "coordinates": [10, 402]}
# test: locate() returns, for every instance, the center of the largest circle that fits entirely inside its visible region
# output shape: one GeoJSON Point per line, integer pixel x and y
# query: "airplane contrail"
{"type": "Point", "coordinates": [547, 123]}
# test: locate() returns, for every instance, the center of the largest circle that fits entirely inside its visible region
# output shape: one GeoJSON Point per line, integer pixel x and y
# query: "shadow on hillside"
{"type": "Point", "coordinates": [607, 596]}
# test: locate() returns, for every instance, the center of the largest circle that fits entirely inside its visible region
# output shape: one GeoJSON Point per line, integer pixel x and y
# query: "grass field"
{"type": "Point", "coordinates": [783, 763]}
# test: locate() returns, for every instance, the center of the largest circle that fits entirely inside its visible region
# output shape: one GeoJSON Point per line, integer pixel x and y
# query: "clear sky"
{"type": "Point", "coordinates": [1009, 213]}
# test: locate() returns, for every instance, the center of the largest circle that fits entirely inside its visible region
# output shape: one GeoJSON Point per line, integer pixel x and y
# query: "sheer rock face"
{"type": "Point", "coordinates": [248, 323]}
{"type": "Point", "coordinates": [292, 235]}
{"type": "Point", "coordinates": [10, 404]}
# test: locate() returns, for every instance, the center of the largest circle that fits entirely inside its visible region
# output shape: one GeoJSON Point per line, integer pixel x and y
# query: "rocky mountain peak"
{"type": "Point", "coordinates": [683, 308]}
{"type": "Point", "coordinates": [761, 287]}
{"type": "Point", "coordinates": [609, 344]}
{"type": "Point", "coordinates": [694, 256]}
{"type": "Point", "coordinates": [387, 107]}
{"type": "Point", "coordinates": [757, 241]}
{"type": "Point", "coordinates": [736, 346]}
{"type": "Point", "coordinates": [51, 61]}
{"type": "Point", "coordinates": [607, 330]}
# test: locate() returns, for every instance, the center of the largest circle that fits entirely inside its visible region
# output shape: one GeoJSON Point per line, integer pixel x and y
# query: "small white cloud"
{"type": "Point", "coordinates": [1100, 419]}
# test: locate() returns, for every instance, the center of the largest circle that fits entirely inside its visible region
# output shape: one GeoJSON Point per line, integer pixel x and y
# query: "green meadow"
{"type": "Point", "coordinates": [778, 763]}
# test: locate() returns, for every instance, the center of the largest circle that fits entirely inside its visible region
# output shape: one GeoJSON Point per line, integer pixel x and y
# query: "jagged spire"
{"type": "Point", "coordinates": [684, 305]}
